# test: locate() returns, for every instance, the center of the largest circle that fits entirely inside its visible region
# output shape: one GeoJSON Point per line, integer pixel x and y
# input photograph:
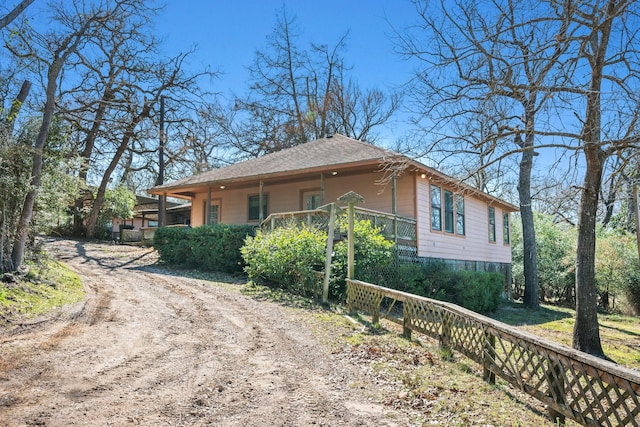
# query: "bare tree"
{"type": "Point", "coordinates": [301, 94]}
{"type": "Point", "coordinates": [112, 62]}
{"type": "Point", "coordinates": [549, 60]}
{"type": "Point", "coordinates": [151, 82]}
{"type": "Point", "coordinates": [487, 61]}
{"type": "Point", "coordinates": [355, 113]}
{"type": "Point", "coordinates": [80, 25]}
{"type": "Point", "coordinates": [608, 49]}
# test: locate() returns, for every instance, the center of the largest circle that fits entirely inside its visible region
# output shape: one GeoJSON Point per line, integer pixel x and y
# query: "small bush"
{"type": "Point", "coordinates": [173, 245]}
{"type": "Point", "coordinates": [372, 258]}
{"type": "Point", "coordinates": [477, 291]}
{"type": "Point", "coordinates": [285, 256]}
{"type": "Point", "coordinates": [210, 247]}
{"type": "Point", "coordinates": [288, 255]}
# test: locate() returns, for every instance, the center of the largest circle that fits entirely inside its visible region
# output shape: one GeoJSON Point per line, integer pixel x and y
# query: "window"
{"type": "Point", "coordinates": [213, 212]}
{"type": "Point", "coordinates": [453, 211]}
{"type": "Point", "coordinates": [505, 228]}
{"type": "Point", "coordinates": [492, 224]}
{"type": "Point", "coordinates": [459, 215]}
{"type": "Point", "coordinates": [254, 207]}
{"type": "Point", "coordinates": [311, 200]}
{"type": "Point", "coordinates": [436, 216]}
{"type": "Point", "coordinates": [448, 211]}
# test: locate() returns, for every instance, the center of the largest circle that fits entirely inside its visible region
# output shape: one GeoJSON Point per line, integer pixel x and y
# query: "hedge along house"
{"type": "Point", "coordinates": [467, 228]}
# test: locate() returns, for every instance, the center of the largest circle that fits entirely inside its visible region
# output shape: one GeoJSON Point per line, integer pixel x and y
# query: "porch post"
{"type": "Point", "coordinates": [394, 210]}
{"type": "Point", "coordinates": [207, 209]}
{"type": "Point", "coordinates": [393, 194]}
{"type": "Point", "coordinates": [260, 198]}
{"type": "Point", "coordinates": [162, 213]}
{"type": "Point", "coordinates": [322, 193]}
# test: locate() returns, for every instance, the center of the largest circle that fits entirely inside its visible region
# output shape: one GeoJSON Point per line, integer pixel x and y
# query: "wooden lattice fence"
{"type": "Point", "coordinates": [572, 384]}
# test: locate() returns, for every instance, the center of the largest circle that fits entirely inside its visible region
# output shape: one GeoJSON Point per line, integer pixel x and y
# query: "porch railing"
{"type": "Point", "coordinates": [398, 228]}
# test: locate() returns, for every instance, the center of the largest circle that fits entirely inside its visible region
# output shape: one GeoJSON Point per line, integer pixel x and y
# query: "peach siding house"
{"type": "Point", "coordinates": [454, 221]}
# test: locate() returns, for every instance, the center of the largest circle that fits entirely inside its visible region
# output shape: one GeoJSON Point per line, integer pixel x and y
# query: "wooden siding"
{"type": "Point", "coordinates": [287, 197]}
{"type": "Point", "coordinates": [474, 245]}
{"type": "Point", "coordinates": [412, 196]}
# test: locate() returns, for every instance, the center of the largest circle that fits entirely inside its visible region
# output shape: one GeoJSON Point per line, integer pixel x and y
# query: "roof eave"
{"type": "Point", "coordinates": [170, 189]}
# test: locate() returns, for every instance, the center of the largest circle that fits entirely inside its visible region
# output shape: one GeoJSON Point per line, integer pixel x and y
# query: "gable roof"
{"type": "Point", "coordinates": [323, 153]}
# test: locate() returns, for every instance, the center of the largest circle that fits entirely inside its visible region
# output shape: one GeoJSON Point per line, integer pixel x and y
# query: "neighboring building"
{"type": "Point", "coordinates": [145, 215]}
{"type": "Point", "coordinates": [454, 221]}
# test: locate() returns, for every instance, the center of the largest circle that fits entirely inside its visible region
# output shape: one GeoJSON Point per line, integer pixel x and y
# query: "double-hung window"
{"type": "Point", "coordinates": [492, 224]}
{"type": "Point", "coordinates": [436, 208]}
{"type": "Point", "coordinates": [448, 207]}
{"type": "Point", "coordinates": [459, 214]}
{"type": "Point", "coordinates": [505, 228]}
{"type": "Point", "coordinates": [448, 211]}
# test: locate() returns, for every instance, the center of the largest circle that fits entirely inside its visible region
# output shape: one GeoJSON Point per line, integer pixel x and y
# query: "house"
{"type": "Point", "coordinates": [145, 215]}
{"type": "Point", "coordinates": [454, 221]}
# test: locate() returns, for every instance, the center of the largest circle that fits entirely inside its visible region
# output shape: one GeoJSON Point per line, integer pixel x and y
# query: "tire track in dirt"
{"type": "Point", "coordinates": [149, 348]}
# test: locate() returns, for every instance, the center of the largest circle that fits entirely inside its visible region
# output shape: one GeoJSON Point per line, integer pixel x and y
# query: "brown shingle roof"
{"type": "Point", "coordinates": [326, 152]}
{"type": "Point", "coordinates": [335, 152]}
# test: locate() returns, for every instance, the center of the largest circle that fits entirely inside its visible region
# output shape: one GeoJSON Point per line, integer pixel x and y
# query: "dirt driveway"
{"type": "Point", "coordinates": [149, 348]}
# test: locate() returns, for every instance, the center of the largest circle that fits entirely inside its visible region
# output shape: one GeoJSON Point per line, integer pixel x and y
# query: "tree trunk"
{"type": "Point", "coordinates": [22, 232]}
{"type": "Point", "coordinates": [530, 262]}
{"type": "Point", "coordinates": [16, 106]}
{"type": "Point", "coordinates": [85, 156]}
{"type": "Point", "coordinates": [67, 46]}
{"type": "Point", "coordinates": [586, 332]}
{"type": "Point", "coordinates": [92, 220]}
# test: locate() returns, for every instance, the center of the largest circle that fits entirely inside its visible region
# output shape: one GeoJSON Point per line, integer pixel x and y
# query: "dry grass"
{"type": "Point", "coordinates": [620, 335]}
{"type": "Point", "coordinates": [416, 377]}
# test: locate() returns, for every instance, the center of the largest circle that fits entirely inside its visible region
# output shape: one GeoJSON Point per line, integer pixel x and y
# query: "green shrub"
{"type": "Point", "coordinates": [173, 245]}
{"type": "Point", "coordinates": [210, 247]}
{"type": "Point", "coordinates": [373, 257]}
{"type": "Point", "coordinates": [288, 255]}
{"type": "Point", "coordinates": [285, 255]}
{"type": "Point", "coordinates": [477, 291]}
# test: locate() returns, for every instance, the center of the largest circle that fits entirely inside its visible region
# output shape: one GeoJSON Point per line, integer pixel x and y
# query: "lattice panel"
{"type": "Point", "coordinates": [591, 393]}
{"type": "Point", "coordinates": [406, 230]}
{"type": "Point", "coordinates": [464, 335]}
{"type": "Point", "coordinates": [521, 365]}
{"type": "Point", "coordinates": [424, 317]}
{"type": "Point", "coordinates": [360, 297]}
{"type": "Point", "coordinates": [595, 396]}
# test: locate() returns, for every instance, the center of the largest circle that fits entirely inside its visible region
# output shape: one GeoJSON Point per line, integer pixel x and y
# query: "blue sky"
{"type": "Point", "coordinates": [228, 33]}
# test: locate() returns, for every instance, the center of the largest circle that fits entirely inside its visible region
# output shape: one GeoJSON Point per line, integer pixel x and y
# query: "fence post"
{"type": "Point", "coordinates": [556, 390]}
{"type": "Point", "coordinates": [445, 336]}
{"type": "Point", "coordinates": [488, 357]}
{"type": "Point", "coordinates": [349, 297]}
{"type": "Point", "coordinates": [406, 321]}
{"type": "Point", "coordinates": [351, 198]}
